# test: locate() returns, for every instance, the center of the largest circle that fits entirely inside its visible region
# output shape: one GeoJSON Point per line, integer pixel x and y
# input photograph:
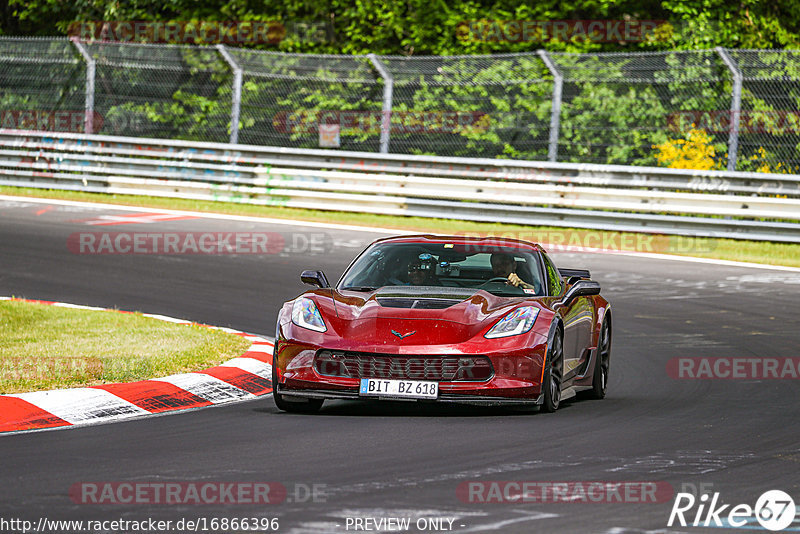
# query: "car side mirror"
{"type": "Point", "coordinates": [581, 288]}
{"type": "Point", "coordinates": [315, 278]}
{"type": "Point", "coordinates": [572, 275]}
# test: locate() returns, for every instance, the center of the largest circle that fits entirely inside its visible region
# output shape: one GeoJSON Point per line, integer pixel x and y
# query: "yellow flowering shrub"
{"type": "Point", "coordinates": [758, 163]}
{"type": "Point", "coordinates": [694, 152]}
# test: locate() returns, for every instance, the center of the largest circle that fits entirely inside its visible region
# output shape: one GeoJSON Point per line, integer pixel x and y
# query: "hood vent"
{"type": "Point", "coordinates": [416, 303]}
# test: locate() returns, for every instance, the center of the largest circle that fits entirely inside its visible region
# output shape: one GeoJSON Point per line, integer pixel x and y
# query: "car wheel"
{"type": "Point", "coordinates": [602, 362]}
{"type": "Point", "coordinates": [553, 374]}
{"type": "Point", "coordinates": [292, 406]}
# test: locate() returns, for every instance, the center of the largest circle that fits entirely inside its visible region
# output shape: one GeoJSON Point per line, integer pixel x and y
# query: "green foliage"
{"type": "Point", "coordinates": [609, 115]}
{"type": "Point", "coordinates": [611, 125]}
{"type": "Point", "coordinates": [430, 27]}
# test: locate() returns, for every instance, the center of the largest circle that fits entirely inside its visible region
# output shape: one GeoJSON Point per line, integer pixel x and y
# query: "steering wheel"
{"type": "Point", "coordinates": [495, 279]}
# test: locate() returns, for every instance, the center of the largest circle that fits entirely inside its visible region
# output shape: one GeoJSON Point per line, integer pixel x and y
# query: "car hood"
{"type": "Point", "coordinates": [419, 315]}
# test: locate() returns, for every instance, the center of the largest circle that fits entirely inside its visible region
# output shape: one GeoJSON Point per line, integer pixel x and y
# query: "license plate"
{"type": "Point", "coordinates": [407, 389]}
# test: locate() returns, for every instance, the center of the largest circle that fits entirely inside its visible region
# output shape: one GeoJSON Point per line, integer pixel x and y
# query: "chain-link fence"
{"type": "Point", "coordinates": [42, 85]}
{"type": "Point", "coordinates": [286, 97]}
{"type": "Point", "coordinates": [769, 121]}
{"type": "Point", "coordinates": [600, 108]}
{"type": "Point", "coordinates": [617, 106]}
{"type": "Point", "coordinates": [470, 105]}
{"type": "Point", "coordinates": [171, 91]}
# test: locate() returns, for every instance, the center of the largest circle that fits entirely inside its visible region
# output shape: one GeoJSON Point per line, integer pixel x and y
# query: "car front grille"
{"type": "Point", "coordinates": [403, 367]}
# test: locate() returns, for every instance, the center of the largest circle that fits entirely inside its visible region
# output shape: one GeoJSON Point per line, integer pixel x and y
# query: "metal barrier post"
{"type": "Point", "coordinates": [236, 98]}
{"type": "Point", "coordinates": [388, 88]}
{"type": "Point", "coordinates": [555, 113]}
{"type": "Point", "coordinates": [88, 119]}
{"type": "Point", "coordinates": [736, 106]}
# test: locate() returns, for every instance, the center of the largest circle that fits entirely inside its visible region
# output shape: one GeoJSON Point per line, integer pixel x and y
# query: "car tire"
{"type": "Point", "coordinates": [602, 362]}
{"type": "Point", "coordinates": [291, 406]}
{"type": "Point", "coordinates": [553, 374]}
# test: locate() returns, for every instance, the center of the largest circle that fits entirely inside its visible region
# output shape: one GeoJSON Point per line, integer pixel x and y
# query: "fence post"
{"type": "Point", "coordinates": [88, 119]}
{"type": "Point", "coordinates": [236, 98]}
{"type": "Point", "coordinates": [555, 113]}
{"type": "Point", "coordinates": [388, 88]}
{"type": "Point", "coordinates": [736, 107]}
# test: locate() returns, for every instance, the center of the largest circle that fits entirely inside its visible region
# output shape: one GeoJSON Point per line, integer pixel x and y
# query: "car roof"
{"type": "Point", "coordinates": [463, 240]}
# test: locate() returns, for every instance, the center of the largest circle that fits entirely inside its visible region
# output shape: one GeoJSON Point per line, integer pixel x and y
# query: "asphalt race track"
{"type": "Point", "coordinates": [737, 437]}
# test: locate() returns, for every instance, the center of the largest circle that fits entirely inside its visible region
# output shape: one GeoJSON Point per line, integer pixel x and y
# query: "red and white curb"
{"type": "Point", "coordinates": [242, 378]}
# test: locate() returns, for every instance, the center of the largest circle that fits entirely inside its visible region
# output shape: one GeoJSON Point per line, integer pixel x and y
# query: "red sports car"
{"type": "Point", "coordinates": [488, 321]}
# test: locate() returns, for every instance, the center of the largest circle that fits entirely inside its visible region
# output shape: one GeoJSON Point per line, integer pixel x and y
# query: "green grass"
{"type": "Point", "coordinates": [724, 249]}
{"type": "Point", "coordinates": [45, 347]}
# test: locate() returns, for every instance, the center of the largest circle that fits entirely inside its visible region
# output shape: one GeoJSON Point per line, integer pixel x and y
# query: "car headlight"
{"type": "Point", "coordinates": [306, 314]}
{"type": "Point", "coordinates": [517, 322]}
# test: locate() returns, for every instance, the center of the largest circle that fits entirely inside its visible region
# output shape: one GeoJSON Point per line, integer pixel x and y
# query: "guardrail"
{"type": "Point", "coordinates": [700, 203]}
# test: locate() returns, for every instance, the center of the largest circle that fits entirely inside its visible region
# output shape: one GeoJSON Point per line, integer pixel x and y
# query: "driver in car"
{"type": "Point", "coordinates": [503, 265]}
{"type": "Point", "coordinates": [421, 271]}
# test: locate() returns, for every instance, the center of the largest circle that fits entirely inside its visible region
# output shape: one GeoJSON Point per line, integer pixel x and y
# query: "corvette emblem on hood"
{"type": "Point", "coordinates": [401, 336]}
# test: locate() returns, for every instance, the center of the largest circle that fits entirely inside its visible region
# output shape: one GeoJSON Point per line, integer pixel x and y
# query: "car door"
{"type": "Point", "coordinates": [577, 317]}
{"type": "Point", "coordinates": [578, 320]}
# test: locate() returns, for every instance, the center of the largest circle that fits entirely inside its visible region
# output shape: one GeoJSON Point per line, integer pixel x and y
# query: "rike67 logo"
{"type": "Point", "coordinates": [774, 510]}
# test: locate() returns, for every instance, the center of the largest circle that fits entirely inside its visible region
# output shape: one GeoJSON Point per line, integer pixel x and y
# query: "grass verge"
{"type": "Point", "coordinates": [46, 347]}
{"type": "Point", "coordinates": [769, 253]}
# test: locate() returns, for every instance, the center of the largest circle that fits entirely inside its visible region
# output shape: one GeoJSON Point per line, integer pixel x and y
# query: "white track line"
{"type": "Point", "coordinates": [206, 387]}
{"type": "Point", "coordinates": [265, 348]}
{"type": "Point", "coordinates": [203, 215]}
{"type": "Point", "coordinates": [82, 405]}
{"type": "Point", "coordinates": [166, 318]}
{"type": "Point", "coordinates": [378, 230]}
{"type": "Point", "coordinates": [250, 365]}
{"type": "Point", "coordinates": [77, 306]}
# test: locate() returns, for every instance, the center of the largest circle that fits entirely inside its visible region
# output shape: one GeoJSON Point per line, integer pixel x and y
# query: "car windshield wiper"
{"type": "Point", "coordinates": [359, 288]}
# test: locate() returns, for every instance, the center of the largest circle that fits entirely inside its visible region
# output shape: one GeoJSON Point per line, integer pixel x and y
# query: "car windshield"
{"type": "Point", "coordinates": [473, 266]}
